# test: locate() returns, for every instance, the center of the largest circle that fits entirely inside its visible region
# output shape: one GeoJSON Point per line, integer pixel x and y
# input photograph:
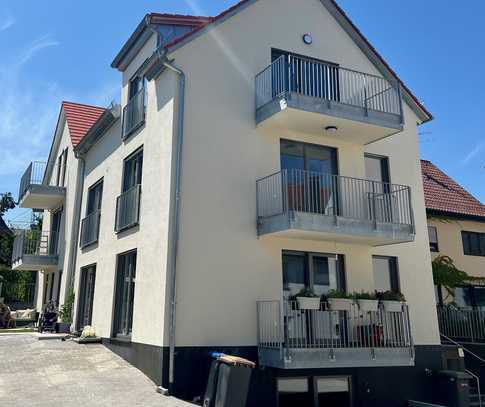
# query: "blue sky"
{"type": "Point", "coordinates": [61, 50]}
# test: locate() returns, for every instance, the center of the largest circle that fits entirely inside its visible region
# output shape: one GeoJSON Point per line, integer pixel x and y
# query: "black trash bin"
{"type": "Point", "coordinates": [228, 382]}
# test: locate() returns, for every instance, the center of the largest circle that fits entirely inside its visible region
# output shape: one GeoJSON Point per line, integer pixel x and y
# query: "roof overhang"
{"type": "Point", "coordinates": [99, 128]}
{"type": "Point", "coordinates": [453, 215]}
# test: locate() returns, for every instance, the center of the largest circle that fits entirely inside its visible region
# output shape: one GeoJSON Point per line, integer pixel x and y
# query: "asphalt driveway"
{"type": "Point", "coordinates": [55, 373]}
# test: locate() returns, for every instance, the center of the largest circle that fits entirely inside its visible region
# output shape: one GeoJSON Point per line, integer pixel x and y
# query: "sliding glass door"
{"type": "Point", "coordinates": [309, 170]}
{"type": "Point", "coordinates": [86, 296]}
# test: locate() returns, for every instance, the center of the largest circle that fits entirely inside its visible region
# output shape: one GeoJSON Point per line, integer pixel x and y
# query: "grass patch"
{"type": "Point", "coordinates": [17, 330]}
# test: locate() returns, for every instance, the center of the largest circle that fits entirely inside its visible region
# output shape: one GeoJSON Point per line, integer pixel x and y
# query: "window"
{"type": "Point", "coordinates": [61, 169]}
{"type": "Point", "coordinates": [90, 224]}
{"type": "Point", "coordinates": [86, 296]}
{"type": "Point", "coordinates": [124, 294]}
{"type": "Point", "coordinates": [433, 238]}
{"type": "Point", "coordinates": [385, 273]}
{"type": "Point", "coordinates": [132, 170]}
{"type": "Point", "coordinates": [473, 243]}
{"type": "Point", "coordinates": [95, 195]}
{"type": "Point", "coordinates": [320, 272]}
{"type": "Point", "coordinates": [134, 111]}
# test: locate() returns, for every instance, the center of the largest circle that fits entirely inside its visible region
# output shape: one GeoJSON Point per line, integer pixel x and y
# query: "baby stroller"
{"type": "Point", "coordinates": [48, 318]}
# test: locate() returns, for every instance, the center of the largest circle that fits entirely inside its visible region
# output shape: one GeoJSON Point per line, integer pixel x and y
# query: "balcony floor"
{"type": "Point", "coordinates": [311, 115]}
{"type": "Point", "coordinates": [43, 197]}
{"type": "Point", "coordinates": [336, 358]}
{"type": "Point", "coordinates": [304, 225]}
{"type": "Point", "coordinates": [33, 262]}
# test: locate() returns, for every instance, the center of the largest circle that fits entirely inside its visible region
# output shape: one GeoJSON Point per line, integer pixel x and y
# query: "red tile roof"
{"type": "Point", "coordinates": [443, 195]}
{"type": "Point", "coordinates": [80, 118]}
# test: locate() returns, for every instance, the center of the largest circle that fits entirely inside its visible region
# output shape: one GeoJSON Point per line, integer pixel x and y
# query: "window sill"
{"type": "Point", "coordinates": [121, 339]}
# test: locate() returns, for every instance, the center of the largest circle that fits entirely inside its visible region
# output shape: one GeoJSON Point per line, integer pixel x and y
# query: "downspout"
{"type": "Point", "coordinates": [160, 55]}
{"type": "Point", "coordinates": [176, 228]}
{"type": "Point", "coordinates": [76, 219]}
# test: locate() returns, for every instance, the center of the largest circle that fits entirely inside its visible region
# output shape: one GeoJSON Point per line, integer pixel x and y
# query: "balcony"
{"type": "Point", "coordinates": [134, 114]}
{"type": "Point", "coordinates": [90, 229]}
{"type": "Point", "coordinates": [311, 205]}
{"type": "Point", "coordinates": [292, 338]}
{"type": "Point", "coordinates": [462, 324]}
{"type": "Point", "coordinates": [34, 193]}
{"type": "Point", "coordinates": [306, 95]}
{"type": "Point", "coordinates": [128, 209]}
{"type": "Point", "coordinates": [35, 250]}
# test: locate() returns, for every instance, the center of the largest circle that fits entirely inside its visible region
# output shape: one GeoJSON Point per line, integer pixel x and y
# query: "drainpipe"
{"type": "Point", "coordinates": [175, 231]}
{"type": "Point", "coordinates": [76, 219]}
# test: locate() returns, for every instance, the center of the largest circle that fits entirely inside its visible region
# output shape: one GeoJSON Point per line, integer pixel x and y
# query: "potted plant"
{"type": "Point", "coordinates": [65, 314]}
{"type": "Point", "coordinates": [367, 301]}
{"type": "Point", "coordinates": [307, 299]}
{"type": "Point", "coordinates": [339, 300]}
{"type": "Point", "coordinates": [392, 301]}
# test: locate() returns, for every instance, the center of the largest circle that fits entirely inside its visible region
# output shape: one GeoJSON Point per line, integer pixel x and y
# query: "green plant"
{"type": "Point", "coordinates": [65, 313]}
{"type": "Point", "coordinates": [447, 275]}
{"type": "Point", "coordinates": [363, 295]}
{"type": "Point", "coordinates": [391, 295]}
{"type": "Point", "coordinates": [306, 292]}
{"type": "Point", "coordinates": [338, 294]}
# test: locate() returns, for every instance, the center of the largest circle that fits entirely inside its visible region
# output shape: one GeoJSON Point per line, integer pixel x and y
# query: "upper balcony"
{"type": "Point", "coordinates": [35, 250]}
{"type": "Point", "coordinates": [311, 205]}
{"type": "Point", "coordinates": [307, 95]}
{"type": "Point", "coordinates": [134, 114]}
{"type": "Point", "coordinates": [34, 193]}
{"type": "Point", "coordinates": [90, 229]}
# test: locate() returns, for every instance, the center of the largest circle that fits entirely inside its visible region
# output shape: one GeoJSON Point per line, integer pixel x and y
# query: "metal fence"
{"type": "Point", "coordinates": [90, 229]}
{"type": "Point", "coordinates": [34, 243]}
{"type": "Point", "coordinates": [285, 325]}
{"type": "Point", "coordinates": [465, 324]}
{"type": "Point", "coordinates": [128, 208]}
{"type": "Point", "coordinates": [18, 295]}
{"type": "Point", "coordinates": [34, 174]}
{"type": "Point", "coordinates": [333, 195]}
{"type": "Point", "coordinates": [134, 113]}
{"type": "Point", "coordinates": [317, 79]}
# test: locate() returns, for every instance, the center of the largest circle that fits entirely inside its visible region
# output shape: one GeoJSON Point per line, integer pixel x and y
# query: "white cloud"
{"type": "Point", "coordinates": [35, 47]}
{"type": "Point", "coordinates": [6, 22]}
{"type": "Point", "coordinates": [473, 153]}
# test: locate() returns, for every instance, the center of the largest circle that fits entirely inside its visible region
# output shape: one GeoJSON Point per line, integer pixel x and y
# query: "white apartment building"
{"type": "Point", "coordinates": [255, 153]}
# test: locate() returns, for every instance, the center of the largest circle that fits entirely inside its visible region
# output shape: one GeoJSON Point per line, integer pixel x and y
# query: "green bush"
{"type": "Point", "coordinates": [391, 296]}
{"type": "Point", "coordinates": [65, 313]}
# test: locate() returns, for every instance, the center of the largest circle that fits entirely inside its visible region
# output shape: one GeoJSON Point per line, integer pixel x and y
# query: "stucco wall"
{"type": "Point", "coordinates": [223, 267]}
{"type": "Point", "coordinates": [450, 243]}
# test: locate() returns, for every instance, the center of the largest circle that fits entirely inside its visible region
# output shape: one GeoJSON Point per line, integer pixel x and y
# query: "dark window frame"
{"type": "Point", "coordinates": [118, 297]}
{"type": "Point", "coordinates": [468, 250]}
{"type": "Point", "coordinates": [93, 189]}
{"type": "Point", "coordinates": [82, 295]}
{"type": "Point", "coordinates": [309, 275]}
{"type": "Point", "coordinates": [394, 278]}
{"type": "Point", "coordinates": [126, 160]}
{"type": "Point", "coordinates": [433, 246]}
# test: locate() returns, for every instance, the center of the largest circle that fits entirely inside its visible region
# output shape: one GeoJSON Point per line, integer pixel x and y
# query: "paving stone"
{"type": "Point", "coordinates": [55, 373]}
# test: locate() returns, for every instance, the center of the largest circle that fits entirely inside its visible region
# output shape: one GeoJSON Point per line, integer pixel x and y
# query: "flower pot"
{"type": "Point", "coordinates": [368, 305]}
{"type": "Point", "coordinates": [63, 327]}
{"type": "Point", "coordinates": [308, 302]}
{"type": "Point", "coordinates": [340, 304]}
{"type": "Point", "coordinates": [392, 306]}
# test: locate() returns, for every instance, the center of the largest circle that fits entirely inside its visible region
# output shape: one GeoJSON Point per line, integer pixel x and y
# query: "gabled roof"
{"type": "Point", "coordinates": [445, 196]}
{"type": "Point", "coordinates": [200, 23]}
{"type": "Point", "coordinates": [80, 118]}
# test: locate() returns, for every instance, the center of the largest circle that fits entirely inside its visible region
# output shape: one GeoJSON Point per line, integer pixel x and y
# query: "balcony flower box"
{"type": "Point", "coordinates": [392, 306]}
{"type": "Point", "coordinates": [340, 304]}
{"type": "Point", "coordinates": [308, 302]}
{"type": "Point", "coordinates": [368, 305]}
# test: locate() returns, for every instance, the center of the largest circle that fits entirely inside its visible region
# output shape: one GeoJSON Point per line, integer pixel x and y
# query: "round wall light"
{"type": "Point", "coordinates": [331, 129]}
{"type": "Point", "coordinates": [307, 39]}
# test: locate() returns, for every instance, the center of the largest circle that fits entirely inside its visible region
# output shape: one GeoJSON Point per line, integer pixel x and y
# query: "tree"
{"type": "Point", "coordinates": [6, 202]}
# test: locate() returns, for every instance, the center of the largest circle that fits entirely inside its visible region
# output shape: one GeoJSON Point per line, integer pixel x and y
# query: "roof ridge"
{"type": "Point", "coordinates": [82, 104]}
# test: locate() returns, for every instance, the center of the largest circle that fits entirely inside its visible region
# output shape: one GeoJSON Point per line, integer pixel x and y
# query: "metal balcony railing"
{"type": "Point", "coordinates": [283, 325]}
{"type": "Point", "coordinates": [464, 324]}
{"type": "Point", "coordinates": [296, 190]}
{"type": "Point", "coordinates": [90, 229]}
{"type": "Point", "coordinates": [34, 243]}
{"type": "Point", "coordinates": [34, 174]}
{"type": "Point", "coordinates": [134, 113]}
{"type": "Point", "coordinates": [128, 209]}
{"type": "Point", "coordinates": [317, 79]}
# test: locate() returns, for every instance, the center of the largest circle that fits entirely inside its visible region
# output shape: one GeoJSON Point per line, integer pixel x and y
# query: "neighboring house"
{"type": "Point", "coordinates": [51, 186]}
{"type": "Point", "coordinates": [254, 154]}
{"type": "Point", "coordinates": [456, 228]}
